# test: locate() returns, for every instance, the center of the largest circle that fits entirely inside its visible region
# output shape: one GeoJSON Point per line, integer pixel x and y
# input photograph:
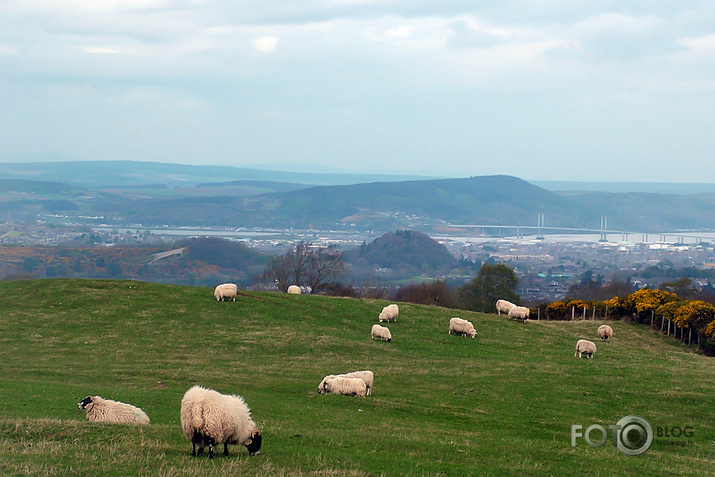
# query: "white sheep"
{"type": "Point", "coordinates": [605, 332]}
{"type": "Point", "coordinates": [226, 291]}
{"type": "Point", "coordinates": [209, 418]}
{"type": "Point", "coordinates": [294, 290]}
{"type": "Point", "coordinates": [462, 327]}
{"type": "Point", "coordinates": [105, 410]}
{"type": "Point", "coordinates": [389, 313]}
{"type": "Point", "coordinates": [367, 376]}
{"type": "Point", "coordinates": [344, 385]}
{"type": "Point", "coordinates": [381, 332]}
{"type": "Point", "coordinates": [585, 347]}
{"type": "Point", "coordinates": [504, 305]}
{"type": "Point", "coordinates": [519, 313]}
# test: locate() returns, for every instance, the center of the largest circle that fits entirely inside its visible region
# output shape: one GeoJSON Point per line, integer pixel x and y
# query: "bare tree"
{"type": "Point", "coordinates": [325, 264]}
{"type": "Point", "coordinates": [306, 265]}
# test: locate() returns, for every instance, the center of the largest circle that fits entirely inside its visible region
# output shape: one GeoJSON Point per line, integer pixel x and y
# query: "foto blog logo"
{"type": "Point", "coordinates": [632, 435]}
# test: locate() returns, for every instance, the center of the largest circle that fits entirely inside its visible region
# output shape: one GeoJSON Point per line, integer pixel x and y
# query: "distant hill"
{"type": "Point", "coordinates": [203, 261]}
{"type": "Point", "coordinates": [99, 174]}
{"type": "Point", "coordinates": [212, 197]}
{"type": "Point", "coordinates": [400, 254]}
{"type": "Point", "coordinates": [677, 188]}
{"type": "Point", "coordinates": [424, 205]}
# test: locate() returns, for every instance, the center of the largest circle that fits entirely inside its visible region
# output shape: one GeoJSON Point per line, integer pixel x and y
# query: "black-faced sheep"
{"type": "Point", "coordinates": [209, 418]}
{"type": "Point", "coordinates": [461, 327]}
{"type": "Point", "coordinates": [226, 291]}
{"type": "Point", "coordinates": [389, 313]}
{"type": "Point", "coordinates": [367, 376]}
{"type": "Point", "coordinates": [105, 410]}
{"type": "Point", "coordinates": [519, 313]}
{"type": "Point", "coordinates": [504, 305]}
{"type": "Point", "coordinates": [585, 347]}
{"type": "Point", "coordinates": [381, 332]}
{"type": "Point", "coordinates": [605, 332]}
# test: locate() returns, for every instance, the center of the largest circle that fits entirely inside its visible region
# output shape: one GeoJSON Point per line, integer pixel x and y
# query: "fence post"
{"type": "Point", "coordinates": [606, 312]}
{"type": "Point", "coordinates": [584, 312]}
{"type": "Point", "coordinates": [652, 312]}
{"type": "Point", "coordinates": [668, 333]}
{"type": "Point", "coordinates": [593, 317]}
{"type": "Point", "coordinates": [662, 322]}
{"type": "Point", "coordinates": [573, 312]}
{"type": "Point", "coordinates": [690, 336]}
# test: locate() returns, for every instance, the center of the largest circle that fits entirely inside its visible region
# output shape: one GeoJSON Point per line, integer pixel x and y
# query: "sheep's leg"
{"type": "Point", "coordinates": [225, 449]}
{"type": "Point", "coordinates": [193, 449]}
{"type": "Point", "coordinates": [211, 451]}
{"type": "Point", "coordinates": [201, 450]}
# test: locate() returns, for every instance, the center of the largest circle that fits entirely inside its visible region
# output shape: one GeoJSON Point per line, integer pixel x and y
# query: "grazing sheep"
{"type": "Point", "coordinates": [585, 347]}
{"type": "Point", "coordinates": [389, 313]}
{"type": "Point", "coordinates": [381, 332]}
{"type": "Point", "coordinates": [461, 327]}
{"type": "Point", "coordinates": [367, 376]}
{"type": "Point", "coordinates": [226, 291]}
{"type": "Point", "coordinates": [344, 385]}
{"type": "Point", "coordinates": [106, 410]}
{"type": "Point", "coordinates": [519, 313]}
{"type": "Point", "coordinates": [294, 290]}
{"type": "Point", "coordinates": [505, 306]}
{"type": "Point", "coordinates": [605, 332]}
{"type": "Point", "coordinates": [209, 418]}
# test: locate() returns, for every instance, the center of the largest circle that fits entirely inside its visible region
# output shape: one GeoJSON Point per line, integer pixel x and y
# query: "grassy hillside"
{"type": "Point", "coordinates": [501, 404]}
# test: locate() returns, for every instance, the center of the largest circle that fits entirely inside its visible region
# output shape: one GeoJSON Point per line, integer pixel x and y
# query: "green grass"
{"type": "Point", "coordinates": [500, 404]}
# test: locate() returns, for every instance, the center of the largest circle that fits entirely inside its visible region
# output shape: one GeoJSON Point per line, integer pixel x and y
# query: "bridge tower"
{"type": "Point", "coordinates": [604, 228]}
{"type": "Point", "coordinates": [539, 225]}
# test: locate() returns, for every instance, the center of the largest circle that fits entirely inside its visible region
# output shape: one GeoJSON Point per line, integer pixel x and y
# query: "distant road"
{"type": "Point", "coordinates": [160, 255]}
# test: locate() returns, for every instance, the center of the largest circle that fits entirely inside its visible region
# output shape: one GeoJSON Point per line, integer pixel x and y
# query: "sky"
{"type": "Point", "coordinates": [539, 89]}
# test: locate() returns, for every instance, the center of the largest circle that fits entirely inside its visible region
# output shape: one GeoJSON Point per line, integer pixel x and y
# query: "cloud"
{"type": "Point", "coordinates": [102, 50]}
{"type": "Point", "coordinates": [399, 32]}
{"type": "Point", "coordinates": [6, 50]}
{"type": "Point", "coordinates": [266, 44]}
{"type": "Point", "coordinates": [705, 42]}
{"type": "Point", "coordinates": [465, 34]}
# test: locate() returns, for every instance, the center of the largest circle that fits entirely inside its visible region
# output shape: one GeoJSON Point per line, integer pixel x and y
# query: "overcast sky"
{"type": "Point", "coordinates": [556, 89]}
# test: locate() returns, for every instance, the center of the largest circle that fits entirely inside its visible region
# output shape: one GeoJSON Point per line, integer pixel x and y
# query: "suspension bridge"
{"type": "Point", "coordinates": [540, 230]}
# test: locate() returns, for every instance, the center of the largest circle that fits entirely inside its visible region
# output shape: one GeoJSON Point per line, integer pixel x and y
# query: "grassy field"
{"type": "Point", "coordinates": [500, 404]}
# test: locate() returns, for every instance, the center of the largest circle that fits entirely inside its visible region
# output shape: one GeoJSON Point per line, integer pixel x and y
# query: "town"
{"type": "Point", "coordinates": [547, 267]}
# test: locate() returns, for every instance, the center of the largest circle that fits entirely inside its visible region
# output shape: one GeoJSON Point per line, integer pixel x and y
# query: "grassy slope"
{"type": "Point", "coordinates": [502, 404]}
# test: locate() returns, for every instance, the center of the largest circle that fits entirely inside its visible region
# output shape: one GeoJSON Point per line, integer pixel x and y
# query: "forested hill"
{"type": "Point", "coordinates": [379, 205]}
{"type": "Point", "coordinates": [427, 205]}
{"type": "Point", "coordinates": [400, 254]}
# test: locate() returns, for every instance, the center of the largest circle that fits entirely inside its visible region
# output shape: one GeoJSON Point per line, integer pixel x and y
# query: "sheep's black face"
{"type": "Point", "coordinates": [84, 402]}
{"type": "Point", "coordinates": [255, 446]}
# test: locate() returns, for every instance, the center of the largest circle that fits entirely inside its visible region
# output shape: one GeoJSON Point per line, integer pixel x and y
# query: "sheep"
{"type": "Point", "coordinates": [605, 332]}
{"type": "Point", "coordinates": [209, 418]}
{"type": "Point", "coordinates": [462, 327]}
{"type": "Point", "coordinates": [381, 332]}
{"type": "Point", "coordinates": [504, 305]}
{"type": "Point", "coordinates": [294, 290]}
{"type": "Point", "coordinates": [389, 313]}
{"type": "Point", "coordinates": [226, 291]}
{"type": "Point", "coordinates": [344, 385]}
{"type": "Point", "coordinates": [106, 410]}
{"type": "Point", "coordinates": [585, 347]}
{"type": "Point", "coordinates": [519, 313]}
{"type": "Point", "coordinates": [367, 376]}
